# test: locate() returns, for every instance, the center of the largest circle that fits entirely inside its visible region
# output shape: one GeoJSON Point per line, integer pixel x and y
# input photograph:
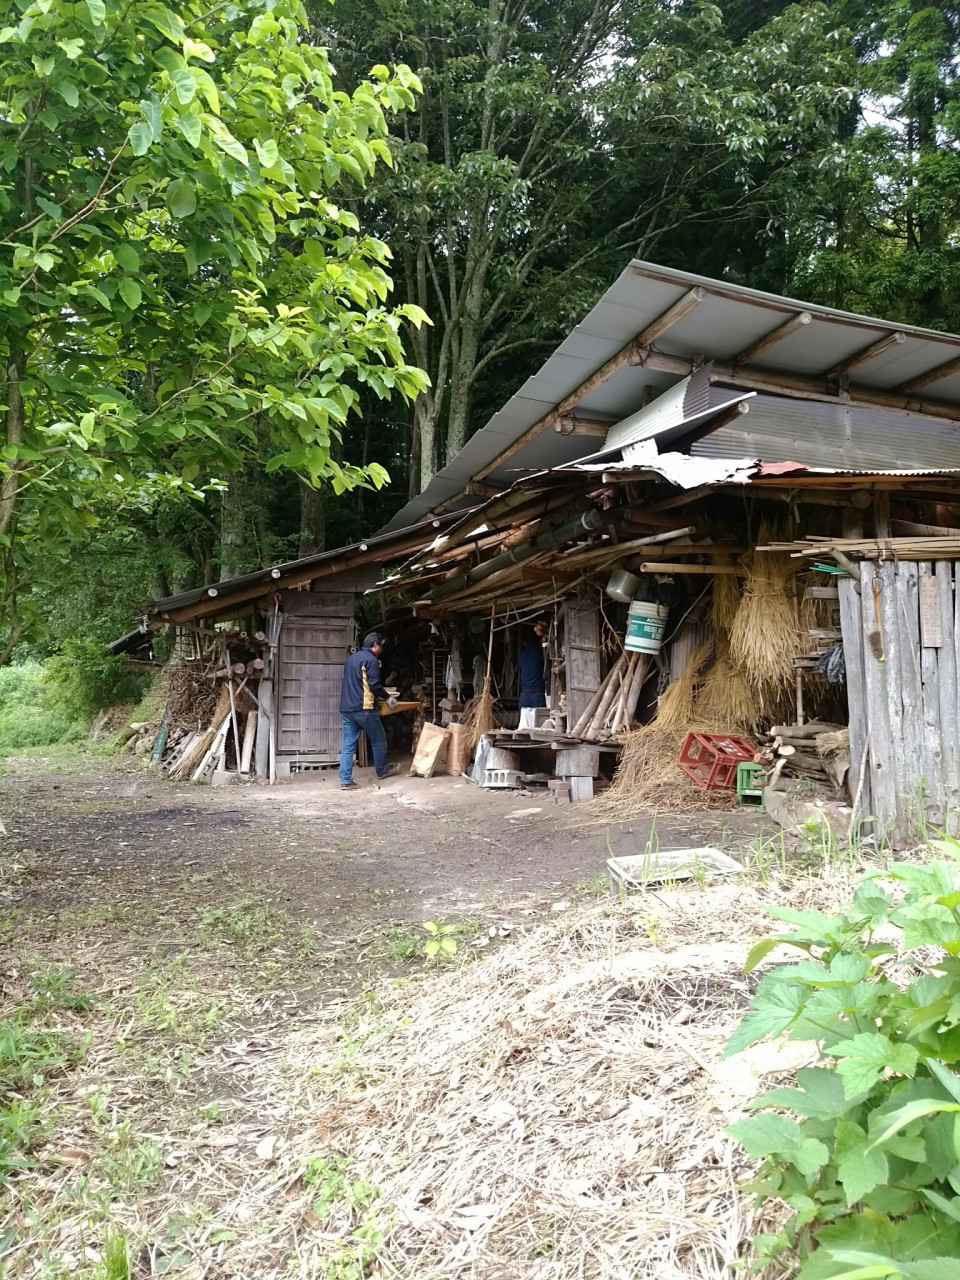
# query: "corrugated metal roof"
{"type": "Point", "coordinates": [727, 321]}
{"type": "Point", "coordinates": [817, 433]}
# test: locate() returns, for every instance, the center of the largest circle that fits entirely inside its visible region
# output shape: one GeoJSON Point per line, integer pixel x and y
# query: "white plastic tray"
{"type": "Point", "coordinates": [658, 866]}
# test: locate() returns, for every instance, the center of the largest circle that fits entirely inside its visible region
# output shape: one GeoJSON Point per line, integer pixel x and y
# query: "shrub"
{"type": "Point", "coordinates": [83, 678]}
{"type": "Point", "coordinates": [865, 1151]}
{"type": "Point", "coordinates": [29, 715]}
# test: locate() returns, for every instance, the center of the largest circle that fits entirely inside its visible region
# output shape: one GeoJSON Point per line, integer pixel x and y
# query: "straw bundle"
{"type": "Point", "coordinates": [763, 638]}
{"type": "Point", "coordinates": [675, 707]}
{"type": "Point", "coordinates": [648, 778]}
{"type": "Point", "coordinates": [727, 696]}
{"type": "Point", "coordinates": [482, 719]}
{"type": "Point", "coordinates": [726, 600]}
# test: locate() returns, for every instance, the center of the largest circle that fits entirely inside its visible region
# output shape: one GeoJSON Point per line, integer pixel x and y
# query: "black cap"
{"type": "Point", "coordinates": [374, 637]}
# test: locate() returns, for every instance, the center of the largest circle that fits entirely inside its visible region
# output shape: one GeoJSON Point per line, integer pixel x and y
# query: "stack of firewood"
{"type": "Point", "coordinates": [818, 752]}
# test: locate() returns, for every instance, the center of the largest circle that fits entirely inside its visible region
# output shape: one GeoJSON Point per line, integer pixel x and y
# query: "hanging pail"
{"type": "Point", "coordinates": [646, 623]}
{"type": "Point", "coordinates": [623, 586]}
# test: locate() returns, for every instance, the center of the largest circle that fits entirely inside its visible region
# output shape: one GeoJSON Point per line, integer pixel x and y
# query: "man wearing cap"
{"type": "Point", "coordinates": [362, 686]}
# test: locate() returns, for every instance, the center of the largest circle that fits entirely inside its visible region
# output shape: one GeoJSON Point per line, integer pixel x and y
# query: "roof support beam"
{"type": "Point", "coordinates": [932, 375]}
{"type": "Point", "coordinates": [778, 384]}
{"type": "Point", "coordinates": [864, 354]}
{"type": "Point", "coordinates": [571, 425]}
{"type": "Point", "coordinates": [656, 329]}
{"type": "Point", "coordinates": [798, 321]}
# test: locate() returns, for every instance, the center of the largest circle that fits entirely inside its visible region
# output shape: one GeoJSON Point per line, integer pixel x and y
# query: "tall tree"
{"type": "Point", "coordinates": [554, 139]}
{"type": "Point", "coordinates": [173, 266]}
{"type": "Point", "coordinates": [890, 245]}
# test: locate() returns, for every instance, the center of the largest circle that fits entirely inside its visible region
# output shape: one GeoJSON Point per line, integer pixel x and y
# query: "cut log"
{"type": "Point", "coordinates": [249, 737]}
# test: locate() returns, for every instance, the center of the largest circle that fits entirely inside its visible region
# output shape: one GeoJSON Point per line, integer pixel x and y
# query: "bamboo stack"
{"type": "Point", "coordinates": [611, 709]}
{"type": "Point", "coordinates": [913, 548]}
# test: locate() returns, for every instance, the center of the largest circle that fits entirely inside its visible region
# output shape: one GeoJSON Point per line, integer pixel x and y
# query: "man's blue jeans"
{"type": "Point", "coordinates": [355, 723]}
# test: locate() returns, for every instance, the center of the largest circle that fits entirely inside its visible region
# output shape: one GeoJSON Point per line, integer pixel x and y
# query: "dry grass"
{"type": "Point", "coordinates": [726, 600]}
{"type": "Point", "coordinates": [553, 1111]}
{"type": "Point", "coordinates": [727, 697]}
{"type": "Point", "coordinates": [764, 636]}
{"type": "Point", "coordinates": [649, 780]}
{"type": "Point", "coordinates": [676, 703]}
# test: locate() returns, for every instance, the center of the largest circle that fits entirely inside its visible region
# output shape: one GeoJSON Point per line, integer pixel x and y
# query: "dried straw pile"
{"type": "Point", "coordinates": [556, 1110]}
{"type": "Point", "coordinates": [649, 780]}
{"type": "Point", "coordinates": [764, 635]}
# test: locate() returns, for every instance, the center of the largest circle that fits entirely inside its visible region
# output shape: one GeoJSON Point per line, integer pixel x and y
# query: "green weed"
{"type": "Point", "coordinates": [56, 988]}
{"type": "Point", "coordinates": [863, 1149]}
{"type": "Point", "coordinates": [596, 885]}
{"type": "Point", "coordinates": [115, 1263]}
{"type": "Point", "coordinates": [348, 1206]}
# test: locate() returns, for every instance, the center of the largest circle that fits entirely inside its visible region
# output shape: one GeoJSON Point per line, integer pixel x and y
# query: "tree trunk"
{"type": "Point", "coordinates": [15, 421]}
{"type": "Point", "coordinates": [233, 527]}
{"type": "Point", "coordinates": [313, 520]}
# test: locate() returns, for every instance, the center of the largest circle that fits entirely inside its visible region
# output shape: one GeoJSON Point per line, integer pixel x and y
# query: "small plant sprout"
{"type": "Point", "coordinates": [438, 941]}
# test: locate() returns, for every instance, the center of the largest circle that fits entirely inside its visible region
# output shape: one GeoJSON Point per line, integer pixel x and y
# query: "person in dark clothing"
{"type": "Point", "coordinates": [532, 668]}
{"type": "Point", "coordinates": [362, 686]}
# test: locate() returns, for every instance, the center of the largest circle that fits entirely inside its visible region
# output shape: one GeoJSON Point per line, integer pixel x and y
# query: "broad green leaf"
{"type": "Point", "coordinates": [267, 152]}
{"type": "Point", "coordinates": [50, 208]}
{"type": "Point", "coordinates": [97, 10]}
{"type": "Point", "coordinates": [127, 257]}
{"type": "Point", "coordinates": [191, 127]}
{"type": "Point", "coordinates": [197, 49]}
{"type": "Point", "coordinates": [228, 143]}
{"type": "Point", "coordinates": [68, 92]}
{"type": "Point", "coordinates": [766, 1134]}
{"type": "Point", "coordinates": [181, 198]}
{"type": "Point", "coordinates": [860, 1170]}
{"type": "Point", "coordinates": [130, 292]}
{"type": "Point", "coordinates": [773, 1009]}
{"type": "Point", "coordinates": [153, 115]}
{"type": "Point", "coordinates": [185, 85]}
{"type": "Point", "coordinates": [202, 312]}
{"type": "Point", "coordinates": [949, 1079]}
{"type": "Point", "coordinates": [141, 137]}
{"type": "Point", "coordinates": [865, 1057]}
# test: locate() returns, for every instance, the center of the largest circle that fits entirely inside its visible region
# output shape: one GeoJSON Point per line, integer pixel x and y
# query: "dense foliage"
{"type": "Point", "coordinates": [864, 1150]}
{"type": "Point", "coordinates": [202, 214]}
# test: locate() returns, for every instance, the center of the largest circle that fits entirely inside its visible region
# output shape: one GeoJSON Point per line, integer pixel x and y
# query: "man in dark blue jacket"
{"type": "Point", "coordinates": [362, 686]}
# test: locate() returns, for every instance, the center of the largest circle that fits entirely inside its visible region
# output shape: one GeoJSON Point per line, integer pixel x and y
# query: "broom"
{"type": "Point", "coordinates": [482, 718]}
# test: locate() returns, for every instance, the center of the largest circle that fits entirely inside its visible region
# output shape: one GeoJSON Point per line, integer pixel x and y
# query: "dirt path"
{"type": "Point", "coordinates": [94, 835]}
{"type": "Point", "coordinates": [166, 954]}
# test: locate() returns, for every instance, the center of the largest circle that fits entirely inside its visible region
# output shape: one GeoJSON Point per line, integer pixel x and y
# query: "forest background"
{"type": "Point", "coordinates": [236, 194]}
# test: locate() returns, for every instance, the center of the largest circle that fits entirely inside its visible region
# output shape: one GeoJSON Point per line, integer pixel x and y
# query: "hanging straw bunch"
{"type": "Point", "coordinates": [481, 718]}
{"type": "Point", "coordinates": [726, 600]}
{"type": "Point", "coordinates": [764, 638]}
{"type": "Point", "coordinates": [727, 697]}
{"type": "Point", "coordinates": [675, 707]}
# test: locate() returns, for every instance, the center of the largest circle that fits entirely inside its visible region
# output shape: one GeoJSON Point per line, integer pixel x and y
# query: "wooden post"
{"type": "Point", "coordinates": [930, 804]}
{"type": "Point", "coordinates": [883, 772]}
{"type": "Point", "coordinates": [249, 736]}
{"type": "Point", "coordinates": [949, 699]}
{"type": "Point", "coordinates": [851, 629]}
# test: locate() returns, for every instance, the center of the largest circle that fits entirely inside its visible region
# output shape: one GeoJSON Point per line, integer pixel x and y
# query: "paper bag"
{"type": "Point", "coordinates": [431, 751]}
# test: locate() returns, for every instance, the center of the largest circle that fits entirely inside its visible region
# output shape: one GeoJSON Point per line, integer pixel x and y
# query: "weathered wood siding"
{"type": "Point", "coordinates": [581, 654]}
{"type": "Point", "coordinates": [902, 684]}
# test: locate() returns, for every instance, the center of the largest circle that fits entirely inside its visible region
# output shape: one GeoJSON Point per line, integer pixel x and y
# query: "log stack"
{"type": "Point", "coordinates": [611, 709]}
{"type": "Point", "coordinates": [817, 752]}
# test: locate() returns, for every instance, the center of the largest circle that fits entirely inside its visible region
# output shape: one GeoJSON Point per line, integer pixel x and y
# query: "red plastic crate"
{"type": "Point", "coordinates": [711, 759]}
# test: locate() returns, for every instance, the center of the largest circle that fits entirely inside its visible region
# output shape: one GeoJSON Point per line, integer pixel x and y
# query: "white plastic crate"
{"type": "Point", "coordinates": [658, 866]}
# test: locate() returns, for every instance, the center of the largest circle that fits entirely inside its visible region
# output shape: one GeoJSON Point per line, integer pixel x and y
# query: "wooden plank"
{"type": "Point", "coordinates": [893, 696]}
{"type": "Point", "coordinates": [883, 773]}
{"type": "Point", "coordinates": [249, 737]}
{"type": "Point", "coordinates": [581, 651]}
{"type": "Point", "coordinates": [949, 700]}
{"type": "Point", "coordinates": [851, 627]}
{"type": "Point", "coordinates": [921, 725]}
{"type": "Point", "coordinates": [931, 632]}
{"type": "Point", "coordinates": [930, 795]}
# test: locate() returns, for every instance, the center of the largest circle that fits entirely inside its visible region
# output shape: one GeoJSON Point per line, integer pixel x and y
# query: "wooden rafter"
{"type": "Point", "coordinates": [795, 322]}
{"type": "Point", "coordinates": [944, 370]}
{"type": "Point", "coordinates": [870, 352]}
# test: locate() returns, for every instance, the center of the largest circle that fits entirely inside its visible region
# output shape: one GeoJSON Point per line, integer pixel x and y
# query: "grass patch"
{"type": "Point", "coordinates": [30, 713]}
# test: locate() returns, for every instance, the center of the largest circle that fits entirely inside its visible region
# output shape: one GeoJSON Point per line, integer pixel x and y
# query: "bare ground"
{"type": "Point", "coordinates": [169, 936]}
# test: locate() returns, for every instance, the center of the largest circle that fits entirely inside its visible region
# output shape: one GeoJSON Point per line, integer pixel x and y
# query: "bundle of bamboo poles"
{"type": "Point", "coordinates": [914, 548]}
{"type": "Point", "coordinates": [611, 709]}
